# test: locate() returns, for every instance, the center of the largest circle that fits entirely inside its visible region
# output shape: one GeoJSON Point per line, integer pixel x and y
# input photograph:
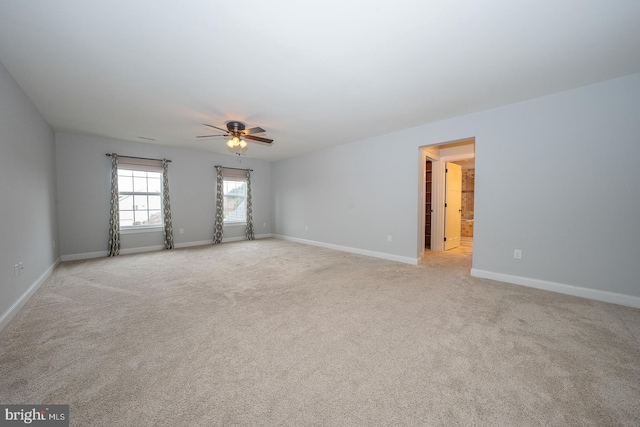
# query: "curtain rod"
{"type": "Point", "coordinates": [238, 169]}
{"type": "Point", "coordinates": [141, 158]}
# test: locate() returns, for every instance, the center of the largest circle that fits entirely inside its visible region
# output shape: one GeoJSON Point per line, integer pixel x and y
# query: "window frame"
{"type": "Point", "coordinates": [140, 228]}
{"type": "Point", "coordinates": [242, 222]}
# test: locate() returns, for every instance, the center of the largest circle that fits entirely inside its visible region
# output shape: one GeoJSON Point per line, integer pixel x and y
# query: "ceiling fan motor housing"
{"type": "Point", "coordinates": [235, 126]}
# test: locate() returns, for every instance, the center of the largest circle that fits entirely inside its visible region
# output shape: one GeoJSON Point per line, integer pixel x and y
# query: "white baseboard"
{"type": "Point", "coordinates": [141, 249]}
{"type": "Point", "coordinates": [15, 308]}
{"type": "Point", "coordinates": [578, 291]}
{"type": "Point", "coordinates": [224, 240]}
{"type": "Point", "coordinates": [190, 244]}
{"type": "Point", "coordinates": [237, 239]}
{"type": "Point", "coordinates": [381, 255]}
{"type": "Point", "coordinates": [102, 254]}
{"type": "Point", "coordinates": [86, 255]}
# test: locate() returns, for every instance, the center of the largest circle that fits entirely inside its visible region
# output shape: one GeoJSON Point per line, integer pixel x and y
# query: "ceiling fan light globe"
{"type": "Point", "coordinates": [243, 143]}
{"type": "Point", "coordinates": [230, 143]}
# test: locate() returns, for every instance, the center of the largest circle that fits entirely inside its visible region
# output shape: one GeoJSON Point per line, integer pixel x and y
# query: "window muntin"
{"type": "Point", "coordinates": [140, 198]}
{"type": "Point", "coordinates": [235, 201]}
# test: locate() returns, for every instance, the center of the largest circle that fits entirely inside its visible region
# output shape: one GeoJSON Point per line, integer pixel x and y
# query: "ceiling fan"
{"type": "Point", "coordinates": [238, 135]}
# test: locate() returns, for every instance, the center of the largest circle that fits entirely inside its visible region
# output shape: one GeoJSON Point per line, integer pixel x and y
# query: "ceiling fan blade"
{"type": "Point", "coordinates": [264, 141]}
{"type": "Point", "coordinates": [216, 127]}
{"type": "Point", "coordinates": [254, 131]}
{"type": "Point", "coordinates": [208, 136]}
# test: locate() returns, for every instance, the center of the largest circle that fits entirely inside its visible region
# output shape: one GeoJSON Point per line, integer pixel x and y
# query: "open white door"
{"type": "Point", "coordinates": [453, 205]}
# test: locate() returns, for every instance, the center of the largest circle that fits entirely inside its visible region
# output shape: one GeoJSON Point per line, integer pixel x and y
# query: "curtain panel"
{"type": "Point", "coordinates": [218, 225]}
{"type": "Point", "coordinates": [249, 230]}
{"type": "Point", "coordinates": [114, 210]}
{"type": "Point", "coordinates": [168, 228]}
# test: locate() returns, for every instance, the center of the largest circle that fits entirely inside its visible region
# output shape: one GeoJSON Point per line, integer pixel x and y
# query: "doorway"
{"type": "Point", "coordinates": [448, 225]}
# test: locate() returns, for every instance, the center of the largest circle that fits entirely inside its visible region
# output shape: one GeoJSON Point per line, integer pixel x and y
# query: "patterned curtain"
{"type": "Point", "coordinates": [168, 228]}
{"type": "Point", "coordinates": [249, 231]}
{"type": "Point", "coordinates": [217, 231]}
{"type": "Point", "coordinates": [114, 211]}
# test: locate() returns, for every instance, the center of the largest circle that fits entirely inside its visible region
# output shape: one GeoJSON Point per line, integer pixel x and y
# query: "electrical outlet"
{"type": "Point", "coordinates": [306, 228]}
{"type": "Point", "coordinates": [16, 270]}
{"type": "Point", "coordinates": [517, 254]}
{"type": "Point", "coordinates": [21, 267]}
{"type": "Point", "coordinates": [389, 238]}
{"type": "Point", "coordinates": [264, 224]}
{"type": "Point", "coordinates": [182, 231]}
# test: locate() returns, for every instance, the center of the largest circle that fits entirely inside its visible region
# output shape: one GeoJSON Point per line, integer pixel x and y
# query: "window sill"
{"type": "Point", "coordinates": [234, 224]}
{"type": "Point", "coordinates": [141, 230]}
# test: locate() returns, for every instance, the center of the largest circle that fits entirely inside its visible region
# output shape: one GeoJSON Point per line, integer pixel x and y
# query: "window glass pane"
{"type": "Point", "coordinates": [155, 217]}
{"type": "Point", "coordinates": [125, 172]}
{"type": "Point", "coordinates": [155, 202]}
{"type": "Point", "coordinates": [155, 175]}
{"type": "Point", "coordinates": [141, 218]}
{"type": "Point", "coordinates": [139, 184]}
{"type": "Point", "coordinates": [140, 173]}
{"type": "Point", "coordinates": [125, 183]}
{"type": "Point", "coordinates": [235, 208]}
{"type": "Point", "coordinates": [140, 203]}
{"type": "Point", "coordinates": [237, 188]}
{"type": "Point", "coordinates": [126, 202]}
{"type": "Point", "coordinates": [155, 185]}
{"type": "Point", "coordinates": [126, 218]}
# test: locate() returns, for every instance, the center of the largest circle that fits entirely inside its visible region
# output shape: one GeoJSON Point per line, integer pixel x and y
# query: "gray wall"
{"type": "Point", "coordinates": [556, 177]}
{"type": "Point", "coordinates": [352, 195]}
{"type": "Point", "coordinates": [84, 187]}
{"type": "Point", "coordinates": [27, 191]}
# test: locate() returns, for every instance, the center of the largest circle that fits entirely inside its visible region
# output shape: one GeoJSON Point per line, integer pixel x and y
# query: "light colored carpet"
{"type": "Point", "coordinates": [271, 332]}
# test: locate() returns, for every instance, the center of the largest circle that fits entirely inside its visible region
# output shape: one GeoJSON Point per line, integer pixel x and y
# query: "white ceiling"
{"type": "Point", "coordinates": [313, 73]}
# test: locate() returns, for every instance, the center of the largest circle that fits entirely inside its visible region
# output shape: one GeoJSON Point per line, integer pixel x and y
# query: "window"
{"type": "Point", "coordinates": [140, 195]}
{"type": "Point", "coordinates": [235, 201]}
